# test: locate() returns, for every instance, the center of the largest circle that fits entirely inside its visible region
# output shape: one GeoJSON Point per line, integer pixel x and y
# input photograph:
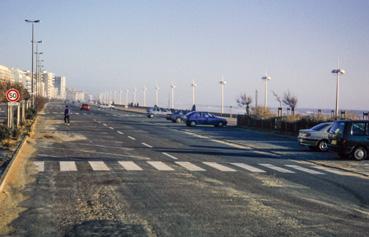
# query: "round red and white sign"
{"type": "Point", "coordinates": [12, 95]}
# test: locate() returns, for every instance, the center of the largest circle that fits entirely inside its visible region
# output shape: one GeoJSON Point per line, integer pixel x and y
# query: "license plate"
{"type": "Point", "coordinates": [334, 142]}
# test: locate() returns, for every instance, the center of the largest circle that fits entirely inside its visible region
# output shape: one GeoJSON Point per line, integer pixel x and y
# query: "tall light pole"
{"type": "Point", "coordinates": [144, 96]}
{"type": "Point", "coordinates": [37, 66]}
{"type": "Point", "coordinates": [172, 87]}
{"type": "Point", "coordinates": [127, 96]}
{"type": "Point", "coordinates": [338, 72]}
{"type": "Point", "coordinates": [157, 88]}
{"type": "Point", "coordinates": [134, 95]}
{"type": "Point", "coordinates": [32, 43]}
{"type": "Point", "coordinates": [266, 78]}
{"type": "Point", "coordinates": [193, 85]}
{"type": "Point", "coordinates": [222, 84]}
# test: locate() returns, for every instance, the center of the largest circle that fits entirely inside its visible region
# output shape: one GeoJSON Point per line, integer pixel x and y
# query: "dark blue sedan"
{"type": "Point", "coordinates": [204, 118]}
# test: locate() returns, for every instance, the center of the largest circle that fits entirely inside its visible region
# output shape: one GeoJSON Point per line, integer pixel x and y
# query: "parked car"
{"type": "Point", "coordinates": [350, 139]}
{"type": "Point", "coordinates": [85, 107]}
{"type": "Point", "coordinates": [177, 116]}
{"type": "Point", "coordinates": [315, 137]}
{"type": "Point", "coordinates": [156, 111]}
{"type": "Point", "coordinates": [204, 118]}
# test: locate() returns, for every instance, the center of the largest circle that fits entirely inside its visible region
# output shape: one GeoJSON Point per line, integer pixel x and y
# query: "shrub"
{"type": "Point", "coordinates": [4, 132]}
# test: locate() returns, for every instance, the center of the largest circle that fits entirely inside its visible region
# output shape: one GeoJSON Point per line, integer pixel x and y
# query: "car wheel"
{"type": "Point", "coordinates": [323, 146]}
{"type": "Point", "coordinates": [178, 120]}
{"type": "Point", "coordinates": [220, 124]}
{"type": "Point", "coordinates": [192, 123]}
{"type": "Point", "coordinates": [359, 153]}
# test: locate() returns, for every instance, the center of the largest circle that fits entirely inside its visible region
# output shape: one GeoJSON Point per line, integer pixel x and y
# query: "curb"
{"type": "Point", "coordinates": [14, 161]}
{"type": "Point", "coordinates": [340, 168]}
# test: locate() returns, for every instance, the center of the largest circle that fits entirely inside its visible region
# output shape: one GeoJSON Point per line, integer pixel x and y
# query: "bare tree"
{"type": "Point", "coordinates": [278, 98]}
{"type": "Point", "coordinates": [245, 101]}
{"type": "Point", "coordinates": [290, 100]}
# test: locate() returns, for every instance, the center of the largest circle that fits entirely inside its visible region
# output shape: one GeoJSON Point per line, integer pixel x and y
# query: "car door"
{"type": "Point", "coordinates": [358, 134]}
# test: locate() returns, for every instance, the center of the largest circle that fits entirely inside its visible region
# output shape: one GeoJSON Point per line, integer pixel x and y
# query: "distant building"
{"type": "Point", "coordinates": [48, 80]}
{"type": "Point", "coordinates": [22, 77]}
{"type": "Point", "coordinates": [60, 87]}
{"type": "Point", "coordinates": [76, 95]}
{"type": "Point", "coordinates": [6, 74]}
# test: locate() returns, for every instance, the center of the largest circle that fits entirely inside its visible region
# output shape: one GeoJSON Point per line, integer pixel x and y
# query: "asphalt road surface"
{"type": "Point", "coordinates": [113, 173]}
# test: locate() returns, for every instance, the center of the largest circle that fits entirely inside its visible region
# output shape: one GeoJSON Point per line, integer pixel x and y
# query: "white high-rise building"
{"type": "Point", "coordinates": [48, 79]}
{"type": "Point", "coordinates": [60, 87]}
{"type": "Point", "coordinates": [22, 77]}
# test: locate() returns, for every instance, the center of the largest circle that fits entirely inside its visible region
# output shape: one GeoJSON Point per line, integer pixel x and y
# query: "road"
{"type": "Point", "coordinates": [113, 173]}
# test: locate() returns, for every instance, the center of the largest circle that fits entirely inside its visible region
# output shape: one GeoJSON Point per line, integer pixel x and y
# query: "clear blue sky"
{"type": "Point", "coordinates": [106, 45]}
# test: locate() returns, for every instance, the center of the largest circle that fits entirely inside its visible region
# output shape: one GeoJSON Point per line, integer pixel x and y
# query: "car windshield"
{"type": "Point", "coordinates": [320, 127]}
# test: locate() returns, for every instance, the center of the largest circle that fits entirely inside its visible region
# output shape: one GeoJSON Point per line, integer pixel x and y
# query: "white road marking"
{"type": "Point", "coordinates": [196, 135]}
{"type": "Point", "coordinates": [111, 128]}
{"type": "Point", "coordinates": [160, 166]}
{"type": "Point", "coordinates": [40, 165]}
{"type": "Point", "coordinates": [331, 170]}
{"type": "Point", "coordinates": [67, 166]}
{"type": "Point", "coordinates": [130, 166]}
{"type": "Point", "coordinates": [46, 155]}
{"type": "Point", "coordinates": [310, 171]}
{"type": "Point", "coordinates": [189, 166]}
{"type": "Point", "coordinates": [230, 144]}
{"type": "Point", "coordinates": [146, 145]}
{"type": "Point", "coordinates": [132, 138]}
{"type": "Point", "coordinates": [105, 124]}
{"type": "Point", "coordinates": [248, 167]}
{"type": "Point", "coordinates": [98, 166]}
{"type": "Point", "coordinates": [276, 168]}
{"type": "Point", "coordinates": [121, 133]}
{"type": "Point", "coordinates": [169, 155]}
{"type": "Point", "coordinates": [219, 167]}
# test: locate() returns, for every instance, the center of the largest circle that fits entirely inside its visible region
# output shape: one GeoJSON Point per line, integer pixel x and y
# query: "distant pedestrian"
{"type": "Point", "coordinates": [67, 115]}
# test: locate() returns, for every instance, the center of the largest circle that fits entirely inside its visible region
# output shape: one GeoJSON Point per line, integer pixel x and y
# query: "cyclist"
{"type": "Point", "coordinates": [67, 115]}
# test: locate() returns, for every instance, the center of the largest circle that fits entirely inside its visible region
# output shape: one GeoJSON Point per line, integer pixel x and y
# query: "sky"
{"type": "Point", "coordinates": [106, 45]}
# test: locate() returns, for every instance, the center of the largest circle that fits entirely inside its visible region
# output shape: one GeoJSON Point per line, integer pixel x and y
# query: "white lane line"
{"type": "Point", "coordinates": [230, 144]}
{"type": "Point", "coordinates": [146, 145]}
{"type": "Point", "coordinates": [67, 166]}
{"type": "Point", "coordinates": [169, 155]}
{"type": "Point", "coordinates": [121, 133]}
{"type": "Point", "coordinates": [249, 167]}
{"type": "Point", "coordinates": [132, 138]}
{"type": "Point", "coordinates": [189, 166]}
{"type": "Point", "coordinates": [310, 171]}
{"type": "Point", "coordinates": [331, 170]}
{"type": "Point", "coordinates": [276, 168]}
{"type": "Point", "coordinates": [105, 124]}
{"type": "Point", "coordinates": [111, 128]}
{"type": "Point", "coordinates": [160, 166]}
{"type": "Point", "coordinates": [40, 166]}
{"type": "Point", "coordinates": [195, 135]}
{"type": "Point", "coordinates": [219, 167]}
{"type": "Point", "coordinates": [130, 166]}
{"type": "Point", "coordinates": [98, 166]}
{"type": "Point", "coordinates": [46, 155]}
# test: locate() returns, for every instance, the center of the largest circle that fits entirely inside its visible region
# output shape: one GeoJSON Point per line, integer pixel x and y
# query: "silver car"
{"type": "Point", "coordinates": [315, 137]}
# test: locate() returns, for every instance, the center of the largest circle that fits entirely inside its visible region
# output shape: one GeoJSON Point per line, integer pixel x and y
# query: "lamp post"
{"type": "Point", "coordinates": [193, 85]}
{"type": "Point", "coordinates": [172, 87]}
{"type": "Point", "coordinates": [37, 66]}
{"type": "Point", "coordinates": [144, 96]}
{"type": "Point", "coordinates": [266, 78]}
{"type": "Point", "coordinates": [134, 95]}
{"type": "Point", "coordinates": [127, 96]}
{"type": "Point", "coordinates": [338, 72]}
{"type": "Point", "coordinates": [157, 88]}
{"type": "Point", "coordinates": [32, 43]}
{"type": "Point", "coordinates": [222, 84]}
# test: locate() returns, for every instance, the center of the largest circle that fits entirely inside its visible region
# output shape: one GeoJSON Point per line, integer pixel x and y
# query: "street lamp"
{"type": "Point", "coordinates": [144, 96]}
{"type": "Point", "coordinates": [134, 95]}
{"type": "Point", "coordinates": [222, 84]}
{"type": "Point", "coordinates": [37, 66]}
{"type": "Point", "coordinates": [193, 85]}
{"type": "Point", "coordinates": [127, 96]}
{"type": "Point", "coordinates": [266, 78]}
{"type": "Point", "coordinates": [32, 43]}
{"type": "Point", "coordinates": [172, 87]}
{"type": "Point", "coordinates": [338, 72]}
{"type": "Point", "coordinates": [157, 88]}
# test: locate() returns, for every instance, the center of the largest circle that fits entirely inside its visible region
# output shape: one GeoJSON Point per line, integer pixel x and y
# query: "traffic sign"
{"type": "Point", "coordinates": [12, 95]}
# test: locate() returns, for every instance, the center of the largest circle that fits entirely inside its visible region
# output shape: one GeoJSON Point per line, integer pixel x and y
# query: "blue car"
{"type": "Point", "coordinates": [204, 118]}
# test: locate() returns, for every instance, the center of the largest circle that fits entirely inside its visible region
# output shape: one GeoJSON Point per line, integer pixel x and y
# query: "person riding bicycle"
{"type": "Point", "coordinates": [67, 115]}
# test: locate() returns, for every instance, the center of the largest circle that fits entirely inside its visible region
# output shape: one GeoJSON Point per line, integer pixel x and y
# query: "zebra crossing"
{"type": "Point", "coordinates": [260, 168]}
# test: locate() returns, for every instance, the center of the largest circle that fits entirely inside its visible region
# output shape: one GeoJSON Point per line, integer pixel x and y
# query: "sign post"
{"type": "Point", "coordinates": [13, 96]}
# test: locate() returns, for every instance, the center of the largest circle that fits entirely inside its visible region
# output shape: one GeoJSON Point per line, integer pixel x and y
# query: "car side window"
{"type": "Point", "coordinates": [358, 129]}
